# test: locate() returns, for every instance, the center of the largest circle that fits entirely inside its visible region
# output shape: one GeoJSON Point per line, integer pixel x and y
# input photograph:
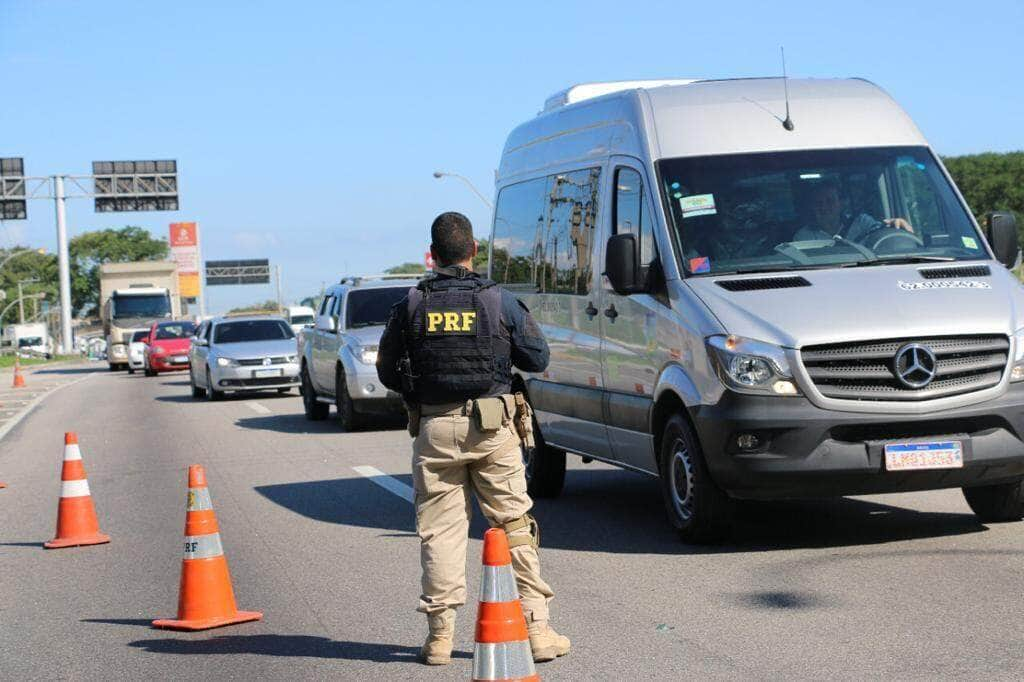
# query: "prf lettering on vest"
{"type": "Point", "coordinates": [451, 321]}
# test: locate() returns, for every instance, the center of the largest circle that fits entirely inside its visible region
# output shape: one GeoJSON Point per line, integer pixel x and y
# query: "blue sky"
{"type": "Point", "coordinates": [306, 132]}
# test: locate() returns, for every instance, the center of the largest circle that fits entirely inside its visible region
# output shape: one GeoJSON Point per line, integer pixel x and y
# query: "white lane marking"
{"type": "Point", "coordinates": [256, 407]}
{"type": "Point", "coordinates": [392, 485]}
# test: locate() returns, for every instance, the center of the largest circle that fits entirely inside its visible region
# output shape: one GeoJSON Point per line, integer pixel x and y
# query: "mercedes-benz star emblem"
{"type": "Point", "coordinates": [266, 361]}
{"type": "Point", "coordinates": [915, 365]}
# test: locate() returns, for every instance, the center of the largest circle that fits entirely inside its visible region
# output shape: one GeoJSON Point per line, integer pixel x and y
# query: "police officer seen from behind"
{"type": "Point", "coordinates": [449, 348]}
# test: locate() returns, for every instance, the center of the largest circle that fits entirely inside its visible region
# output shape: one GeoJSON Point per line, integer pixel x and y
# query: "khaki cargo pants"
{"type": "Point", "coordinates": [451, 458]}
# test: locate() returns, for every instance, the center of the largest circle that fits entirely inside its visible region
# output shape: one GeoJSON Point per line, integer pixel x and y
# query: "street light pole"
{"type": "Point", "coordinates": [21, 298]}
{"type": "Point", "coordinates": [63, 264]}
{"type": "Point", "coordinates": [442, 174]}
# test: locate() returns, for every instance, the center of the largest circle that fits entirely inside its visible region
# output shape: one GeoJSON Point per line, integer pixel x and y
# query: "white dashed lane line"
{"type": "Point", "coordinates": [392, 485]}
{"type": "Point", "coordinates": [257, 407]}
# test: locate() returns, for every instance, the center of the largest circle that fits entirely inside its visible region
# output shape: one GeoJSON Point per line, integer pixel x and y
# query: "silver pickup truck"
{"type": "Point", "coordinates": [339, 351]}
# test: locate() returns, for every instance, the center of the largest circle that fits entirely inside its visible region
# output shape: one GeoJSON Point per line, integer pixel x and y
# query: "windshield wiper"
{"type": "Point", "coordinates": [899, 260]}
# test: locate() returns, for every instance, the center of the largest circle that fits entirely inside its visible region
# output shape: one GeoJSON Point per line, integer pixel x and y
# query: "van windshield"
{"type": "Point", "coordinates": [815, 209]}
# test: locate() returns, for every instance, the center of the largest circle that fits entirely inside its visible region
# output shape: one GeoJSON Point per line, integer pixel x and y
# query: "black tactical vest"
{"type": "Point", "coordinates": [457, 345]}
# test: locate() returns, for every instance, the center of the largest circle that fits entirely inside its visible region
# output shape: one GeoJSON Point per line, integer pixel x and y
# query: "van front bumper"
{"type": "Point", "coordinates": [805, 451]}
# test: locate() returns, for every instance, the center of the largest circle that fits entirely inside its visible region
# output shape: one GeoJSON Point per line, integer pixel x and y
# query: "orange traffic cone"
{"type": "Point", "coordinates": [502, 650]}
{"type": "Point", "coordinates": [205, 597]}
{"type": "Point", "coordinates": [19, 381]}
{"type": "Point", "coordinates": [76, 515]}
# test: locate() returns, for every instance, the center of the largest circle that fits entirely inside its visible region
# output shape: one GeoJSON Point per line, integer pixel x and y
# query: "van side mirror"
{"type": "Point", "coordinates": [1001, 232]}
{"type": "Point", "coordinates": [620, 264]}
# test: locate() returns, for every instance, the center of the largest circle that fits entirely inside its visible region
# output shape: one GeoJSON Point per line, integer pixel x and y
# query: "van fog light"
{"type": "Point", "coordinates": [369, 388]}
{"type": "Point", "coordinates": [747, 441]}
{"type": "Point", "coordinates": [783, 387]}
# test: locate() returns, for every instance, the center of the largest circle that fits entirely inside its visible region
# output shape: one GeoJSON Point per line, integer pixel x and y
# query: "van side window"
{"type": "Point", "coordinates": [630, 214]}
{"type": "Point", "coordinates": [543, 233]}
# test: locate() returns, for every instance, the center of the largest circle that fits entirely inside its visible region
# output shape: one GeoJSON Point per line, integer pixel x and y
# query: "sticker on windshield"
{"type": "Point", "coordinates": [697, 204]}
{"type": "Point", "coordinates": [970, 242]}
{"type": "Point", "coordinates": [944, 284]}
{"type": "Point", "coordinates": [700, 264]}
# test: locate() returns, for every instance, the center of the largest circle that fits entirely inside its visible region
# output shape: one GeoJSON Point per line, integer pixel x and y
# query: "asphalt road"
{"type": "Point", "coordinates": [905, 587]}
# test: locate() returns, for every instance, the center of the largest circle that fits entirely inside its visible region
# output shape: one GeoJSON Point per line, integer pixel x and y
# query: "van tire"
{"type": "Point", "coordinates": [698, 509]}
{"type": "Point", "coordinates": [545, 466]}
{"type": "Point", "coordinates": [315, 410]}
{"type": "Point", "coordinates": [997, 503]}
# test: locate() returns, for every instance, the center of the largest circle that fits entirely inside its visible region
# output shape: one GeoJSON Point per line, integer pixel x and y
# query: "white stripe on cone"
{"type": "Point", "coordinates": [71, 452]}
{"type": "Point", "coordinates": [74, 488]}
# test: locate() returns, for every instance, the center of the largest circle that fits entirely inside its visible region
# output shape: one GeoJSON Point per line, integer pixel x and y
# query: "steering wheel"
{"type": "Point", "coordinates": [891, 237]}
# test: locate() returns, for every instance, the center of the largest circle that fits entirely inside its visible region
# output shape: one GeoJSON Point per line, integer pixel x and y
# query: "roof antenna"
{"type": "Point", "coordinates": [788, 123]}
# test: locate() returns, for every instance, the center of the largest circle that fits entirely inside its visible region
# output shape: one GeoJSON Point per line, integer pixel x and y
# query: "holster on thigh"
{"type": "Point", "coordinates": [524, 521]}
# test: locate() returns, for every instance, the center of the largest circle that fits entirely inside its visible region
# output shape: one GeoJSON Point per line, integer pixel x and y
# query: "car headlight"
{"type": "Point", "coordinates": [159, 350]}
{"type": "Point", "coordinates": [366, 354]}
{"type": "Point", "coordinates": [226, 362]}
{"type": "Point", "coordinates": [1017, 372]}
{"type": "Point", "coordinates": [749, 366]}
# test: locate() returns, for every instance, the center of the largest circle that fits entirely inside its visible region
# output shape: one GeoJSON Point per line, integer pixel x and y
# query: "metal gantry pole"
{"type": "Point", "coordinates": [63, 265]}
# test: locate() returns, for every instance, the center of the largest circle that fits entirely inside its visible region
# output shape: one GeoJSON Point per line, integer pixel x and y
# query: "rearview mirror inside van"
{"type": "Point", "coordinates": [1001, 232]}
{"type": "Point", "coordinates": [620, 264]}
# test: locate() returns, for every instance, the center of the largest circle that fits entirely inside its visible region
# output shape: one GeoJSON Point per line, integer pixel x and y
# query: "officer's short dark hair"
{"type": "Point", "coordinates": [451, 236]}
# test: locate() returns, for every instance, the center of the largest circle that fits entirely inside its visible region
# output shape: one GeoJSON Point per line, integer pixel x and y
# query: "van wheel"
{"type": "Point", "coordinates": [347, 415]}
{"type": "Point", "coordinates": [545, 466]}
{"type": "Point", "coordinates": [995, 503]}
{"type": "Point", "coordinates": [315, 410]}
{"type": "Point", "coordinates": [697, 508]}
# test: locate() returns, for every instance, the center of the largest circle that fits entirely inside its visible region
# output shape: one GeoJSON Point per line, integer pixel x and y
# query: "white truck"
{"type": "Point", "coordinates": [133, 296]}
{"type": "Point", "coordinates": [32, 338]}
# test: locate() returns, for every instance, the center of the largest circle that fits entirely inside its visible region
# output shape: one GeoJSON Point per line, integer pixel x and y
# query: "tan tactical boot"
{"type": "Point", "coordinates": [545, 642]}
{"type": "Point", "coordinates": [437, 650]}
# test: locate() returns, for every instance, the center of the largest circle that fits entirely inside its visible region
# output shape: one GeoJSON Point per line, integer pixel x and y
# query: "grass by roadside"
{"type": "Point", "coordinates": [8, 360]}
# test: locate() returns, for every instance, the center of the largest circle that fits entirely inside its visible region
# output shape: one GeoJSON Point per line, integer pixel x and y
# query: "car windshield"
{"type": "Point", "coordinates": [142, 305]}
{"type": "Point", "coordinates": [302, 319]}
{"type": "Point", "coordinates": [252, 330]}
{"type": "Point", "coordinates": [30, 341]}
{"type": "Point", "coordinates": [139, 336]}
{"type": "Point", "coordinates": [815, 209]}
{"type": "Point", "coordinates": [371, 307]}
{"type": "Point", "coordinates": [178, 330]}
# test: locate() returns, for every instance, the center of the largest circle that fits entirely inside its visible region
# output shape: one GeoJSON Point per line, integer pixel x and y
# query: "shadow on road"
{"type": "Point", "coordinates": [297, 423]}
{"type": "Point", "coordinates": [287, 645]}
{"type": "Point", "coordinates": [21, 544]}
{"type": "Point", "coordinates": [69, 370]}
{"type": "Point", "coordinates": [183, 398]}
{"type": "Point", "coordinates": [622, 512]}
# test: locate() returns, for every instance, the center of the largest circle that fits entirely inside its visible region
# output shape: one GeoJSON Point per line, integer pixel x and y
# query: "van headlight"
{"type": "Point", "coordinates": [749, 366]}
{"type": "Point", "coordinates": [1017, 371]}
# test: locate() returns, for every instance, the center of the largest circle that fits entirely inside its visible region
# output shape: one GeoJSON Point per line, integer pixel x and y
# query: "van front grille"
{"type": "Point", "coordinates": [868, 370]}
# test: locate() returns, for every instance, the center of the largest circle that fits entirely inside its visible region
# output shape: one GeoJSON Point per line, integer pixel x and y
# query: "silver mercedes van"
{"type": "Point", "coordinates": [759, 289]}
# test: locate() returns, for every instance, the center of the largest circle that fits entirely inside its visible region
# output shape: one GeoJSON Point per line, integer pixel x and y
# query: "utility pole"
{"type": "Point", "coordinates": [63, 265]}
{"type": "Point", "coordinates": [21, 298]}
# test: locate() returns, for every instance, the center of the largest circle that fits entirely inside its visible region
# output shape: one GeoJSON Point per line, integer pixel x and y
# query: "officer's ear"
{"type": "Point", "coordinates": [476, 248]}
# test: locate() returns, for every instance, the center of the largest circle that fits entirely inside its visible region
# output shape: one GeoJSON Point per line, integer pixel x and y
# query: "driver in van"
{"type": "Point", "coordinates": [827, 218]}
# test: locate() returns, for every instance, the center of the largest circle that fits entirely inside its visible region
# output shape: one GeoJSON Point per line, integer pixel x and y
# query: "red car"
{"type": "Point", "coordinates": [167, 347]}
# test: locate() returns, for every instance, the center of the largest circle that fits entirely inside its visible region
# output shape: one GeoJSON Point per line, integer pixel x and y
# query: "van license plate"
{"type": "Point", "coordinates": [260, 373]}
{"type": "Point", "coordinates": [913, 456]}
